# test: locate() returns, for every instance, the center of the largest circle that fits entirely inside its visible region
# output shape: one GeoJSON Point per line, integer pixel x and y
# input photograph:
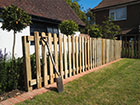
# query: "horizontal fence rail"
{"type": "Point", "coordinates": [131, 49]}
{"type": "Point", "coordinates": [73, 55]}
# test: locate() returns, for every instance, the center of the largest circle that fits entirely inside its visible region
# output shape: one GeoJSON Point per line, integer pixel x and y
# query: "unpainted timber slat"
{"type": "Point", "coordinates": [69, 47]}
{"type": "Point", "coordinates": [44, 58]}
{"type": "Point", "coordinates": [65, 56]}
{"type": "Point", "coordinates": [50, 62]}
{"type": "Point", "coordinates": [37, 53]}
{"type": "Point", "coordinates": [73, 54]}
{"type": "Point", "coordinates": [61, 55]}
{"type": "Point", "coordinates": [77, 66]}
{"type": "Point", "coordinates": [27, 63]}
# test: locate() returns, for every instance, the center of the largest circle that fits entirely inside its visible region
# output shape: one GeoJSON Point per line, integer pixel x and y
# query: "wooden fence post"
{"type": "Point", "coordinates": [69, 44]}
{"type": "Point", "coordinates": [50, 62]}
{"type": "Point", "coordinates": [73, 53]}
{"type": "Point", "coordinates": [44, 59]}
{"type": "Point", "coordinates": [61, 56]}
{"type": "Point", "coordinates": [83, 63]}
{"type": "Point", "coordinates": [77, 66]}
{"type": "Point", "coordinates": [56, 53]}
{"type": "Point", "coordinates": [80, 55]}
{"type": "Point", "coordinates": [85, 44]}
{"type": "Point", "coordinates": [65, 56]}
{"type": "Point", "coordinates": [88, 53]}
{"type": "Point", "coordinates": [37, 54]}
{"type": "Point", "coordinates": [27, 63]}
{"type": "Point", "coordinates": [93, 53]}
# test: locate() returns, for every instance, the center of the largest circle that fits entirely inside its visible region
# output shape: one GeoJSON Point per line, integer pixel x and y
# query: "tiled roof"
{"type": "Point", "coordinates": [50, 9]}
{"type": "Point", "coordinates": [108, 3]}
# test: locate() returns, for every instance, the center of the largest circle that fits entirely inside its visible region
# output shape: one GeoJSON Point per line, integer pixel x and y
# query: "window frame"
{"type": "Point", "coordinates": [114, 10]}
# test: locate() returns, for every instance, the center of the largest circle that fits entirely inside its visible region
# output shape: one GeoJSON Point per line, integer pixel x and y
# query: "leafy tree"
{"type": "Point", "coordinates": [109, 29]}
{"type": "Point", "coordinates": [77, 9]}
{"type": "Point", "coordinates": [68, 27]}
{"type": "Point", "coordinates": [14, 19]}
{"type": "Point", "coordinates": [95, 31]}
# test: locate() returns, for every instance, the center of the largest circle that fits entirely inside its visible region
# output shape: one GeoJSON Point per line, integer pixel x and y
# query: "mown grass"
{"type": "Point", "coordinates": [117, 84]}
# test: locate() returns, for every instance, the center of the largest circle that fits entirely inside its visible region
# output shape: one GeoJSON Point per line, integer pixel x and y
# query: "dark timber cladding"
{"type": "Point", "coordinates": [50, 9]}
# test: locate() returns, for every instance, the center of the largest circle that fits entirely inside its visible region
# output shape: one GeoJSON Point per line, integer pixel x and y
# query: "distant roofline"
{"type": "Point", "coordinates": [118, 5]}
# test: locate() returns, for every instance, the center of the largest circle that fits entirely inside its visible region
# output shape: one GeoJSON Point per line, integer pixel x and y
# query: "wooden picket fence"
{"type": "Point", "coordinates": [72, 55]}
{"type": "Point", "coordinates": [131, 49]}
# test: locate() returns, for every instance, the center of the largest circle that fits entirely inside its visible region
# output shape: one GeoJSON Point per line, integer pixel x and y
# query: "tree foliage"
{"type": "Point", "coordinates": [68, 27]}
{"type": "Point", "coordinates": [95, 31]}
{"type": "Point", "coordinates": [109, 29]}
{"type": "Point", "coordinates": [14, 19]}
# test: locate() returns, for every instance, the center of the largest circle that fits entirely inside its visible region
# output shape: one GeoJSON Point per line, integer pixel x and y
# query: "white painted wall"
{"type": "Point", "coordinates": [6, 41]}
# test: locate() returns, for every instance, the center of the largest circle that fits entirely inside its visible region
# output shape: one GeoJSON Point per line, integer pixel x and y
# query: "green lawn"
{"type": "Point", "coordinates": [117, 84]}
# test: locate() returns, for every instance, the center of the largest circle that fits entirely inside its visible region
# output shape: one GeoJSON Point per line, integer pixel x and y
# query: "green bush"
{"type": "Point", "coordinates": [95, 31]}
{"type": "Point", "coordinates": [11, 77]}
{"type": "Point", "coordinates": [68, 27]}
{"type": "Point", "coordinates": [109, 29]}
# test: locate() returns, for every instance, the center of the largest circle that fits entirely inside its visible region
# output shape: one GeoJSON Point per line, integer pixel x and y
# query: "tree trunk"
{"type": "Point", "coordinates": [13, 50]}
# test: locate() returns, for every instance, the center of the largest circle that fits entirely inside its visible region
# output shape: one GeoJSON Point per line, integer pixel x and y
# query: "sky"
{"type": "Point", "coordinates": [88, 3]}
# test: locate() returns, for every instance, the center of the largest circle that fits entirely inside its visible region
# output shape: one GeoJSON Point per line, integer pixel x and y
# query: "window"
{"type": "Point", "coordinates": [118, 14]}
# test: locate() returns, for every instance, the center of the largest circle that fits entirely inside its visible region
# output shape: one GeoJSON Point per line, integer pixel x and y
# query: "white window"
{"type": "Point", "coordinates": [118, 14]}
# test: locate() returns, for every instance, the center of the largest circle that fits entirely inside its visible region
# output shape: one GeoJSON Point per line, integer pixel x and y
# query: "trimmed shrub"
{"type": "Point", "coordinates": [68, 27]}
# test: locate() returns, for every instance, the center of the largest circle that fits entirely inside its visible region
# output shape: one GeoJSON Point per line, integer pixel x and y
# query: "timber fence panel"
{"type": "Point", "coordinates": [72, 55]}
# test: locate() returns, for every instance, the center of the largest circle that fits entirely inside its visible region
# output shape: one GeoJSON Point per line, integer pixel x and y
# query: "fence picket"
{"type": "Point", "coordinates": [56, 53]}
{"type": "Point", "coordinates": [77, 66]}
{"type": "Point", "coordinates": [85, 44]}
{"type": "Point", "coordinates": [93, 45]}
{"type": "Point", "coordinates": [44, 59]}
{"type": "Point", "coordinates": [69, 46]}
{"type": "Point", "coordinates": [80, 55]}
{"type": "Point", "coordinates": [27, 63]}
{"type": "Point", "coordinates": [65, 56]}
{"type": "Point", "coordinates": [61, 55]}
{"type": "Point", "coordinates": [83, 61]}
{"type": "Point", "coordinates": [73, 54]}
{"type": "Point", "coordinates": [88, 47]}
{"type": "Point", "coordinates": [50, 62]}
{"type": "Point", "coordinates": [37, 54]}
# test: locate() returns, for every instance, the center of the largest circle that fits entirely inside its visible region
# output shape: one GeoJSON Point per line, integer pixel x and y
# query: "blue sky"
{"type": "Point", "coordinates": [89, 3]}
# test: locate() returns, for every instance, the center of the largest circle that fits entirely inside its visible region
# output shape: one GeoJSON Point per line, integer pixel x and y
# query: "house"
{"type": "Point", "coordinates": [125, 13]}
{"type": "Point", "coordinates": [46, 16]}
